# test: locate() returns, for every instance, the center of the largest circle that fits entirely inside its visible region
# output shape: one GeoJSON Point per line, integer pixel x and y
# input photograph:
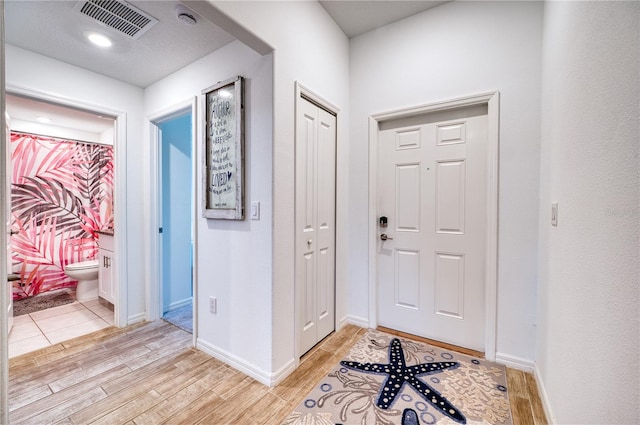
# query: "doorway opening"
{"type": "Point", "coordinates": [173, 217]}
{"type": "Point", "coordinates": [63, 220]}
{"type": "Point", "coordinates": [176, 206]}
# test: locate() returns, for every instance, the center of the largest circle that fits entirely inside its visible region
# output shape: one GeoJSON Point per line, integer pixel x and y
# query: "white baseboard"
{"type": "Point", "coordinates": [353, 320]}
{"type": "Point", "coordinates": [266, 378]}
{"type": "Point", "coordinates": [177, 304]}
{"type": "Point", "coordinates": [543, 396]}
{"type": "Point", "coordinates": [284, 371]}
{"type": "Point", "coordinates": [136, 318]}
{"type": "Point", "coordinates": [515, 362]}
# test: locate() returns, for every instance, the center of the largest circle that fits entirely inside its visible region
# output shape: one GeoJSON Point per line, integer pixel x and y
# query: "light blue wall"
{"type": "Point", "coordinates": [176, 211]}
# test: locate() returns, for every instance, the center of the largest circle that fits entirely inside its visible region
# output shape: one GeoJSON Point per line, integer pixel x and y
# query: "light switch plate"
{"type": "Point", "coordinates": [554, 214]}
{"type": "Point", "coordinates": [255, 210]}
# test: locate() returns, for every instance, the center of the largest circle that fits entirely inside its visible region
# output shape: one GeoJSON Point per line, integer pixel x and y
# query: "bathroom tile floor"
{"type": "Point", "coordinates": [43, 328]}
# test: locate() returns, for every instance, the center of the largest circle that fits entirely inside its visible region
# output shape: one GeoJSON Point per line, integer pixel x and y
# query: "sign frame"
{"type": "Point", "coordinates": [223, 150]}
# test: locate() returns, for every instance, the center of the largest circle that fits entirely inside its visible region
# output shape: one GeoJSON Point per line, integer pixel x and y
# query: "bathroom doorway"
{"type": "Point", "coordinates": [62, 186]}
{"type": "Point", "coordinates": [175, 200]}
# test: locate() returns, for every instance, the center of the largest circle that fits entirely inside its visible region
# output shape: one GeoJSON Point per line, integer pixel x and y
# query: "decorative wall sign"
{"type": "Point", "coordinates": [223, 182]}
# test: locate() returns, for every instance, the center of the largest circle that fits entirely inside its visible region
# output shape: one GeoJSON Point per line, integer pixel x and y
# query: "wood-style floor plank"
{"type": "Point", "coordinates": [539, 416]}
{"type": "Point", "coordinates": [150, 374]}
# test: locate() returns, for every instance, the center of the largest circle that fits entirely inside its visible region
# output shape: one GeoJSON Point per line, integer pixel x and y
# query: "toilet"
{"type": "Point", "coordinates": [86, 273]}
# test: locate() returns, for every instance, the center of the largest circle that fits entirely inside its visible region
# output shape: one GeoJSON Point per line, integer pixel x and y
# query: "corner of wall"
{"type": "Point", "coordinates": [270, 379]}
{"type": "Point", "coordinates": [543, 395]}
{"type": "Point", "coordinates": [515, 362]}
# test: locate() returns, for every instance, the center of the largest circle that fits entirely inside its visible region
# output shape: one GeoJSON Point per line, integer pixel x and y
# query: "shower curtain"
{"type": "Point", "coordinates": [61, 196]}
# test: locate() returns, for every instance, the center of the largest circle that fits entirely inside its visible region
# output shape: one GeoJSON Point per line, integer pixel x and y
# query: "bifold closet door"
{"type": "Point", "coordinates": [315, 223]}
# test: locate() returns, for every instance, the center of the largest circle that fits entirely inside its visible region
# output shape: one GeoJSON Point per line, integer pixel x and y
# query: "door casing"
{"type": "Point", "coordinates": [121, 316]}
{"type": "Point", "coordinates": [492, 100]}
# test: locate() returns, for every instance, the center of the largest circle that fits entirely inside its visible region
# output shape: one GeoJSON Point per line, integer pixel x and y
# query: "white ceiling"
{"type": "Point", "coordinates": [53, 28]}
{"type": "Point", "coordinates": [356, 17]}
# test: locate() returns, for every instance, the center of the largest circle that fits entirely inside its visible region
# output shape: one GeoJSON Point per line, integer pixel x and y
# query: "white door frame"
{"type": "Point", "coordinates": [153, 285]}
{"type": "Point", "coordinates": [492, 100]}
{"type": "Point", "coordinates": [120, 189]}
{"type": "Point", "coordinates": [302, 92]}
{"type": "Point", "coordinates": [4, 335]}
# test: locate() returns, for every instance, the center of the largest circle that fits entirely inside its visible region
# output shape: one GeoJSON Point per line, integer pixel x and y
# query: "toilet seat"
{"type": "Point", "coordinates": [83, 265]}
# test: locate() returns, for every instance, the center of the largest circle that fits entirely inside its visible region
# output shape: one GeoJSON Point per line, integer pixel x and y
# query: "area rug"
{"type": "Point", "coordinates": [386, 380]}
{"type": "Point", "coordinates": [41, 302]}
{"type": "Point", "coordinates": [182, 317]}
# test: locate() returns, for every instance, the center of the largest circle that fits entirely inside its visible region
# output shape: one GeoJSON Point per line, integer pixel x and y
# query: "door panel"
{"type": "Point", "coordinates": [407, 279]}
{"type": "Point", "coordinates": [432, 188]}
{"type": "Point", "coordinates": [408, 197]}
{"type": "Point", "coordinates": [315, 223]}
{"type": "Point", "coordinates": [450, 196]}
{"type": "Point", "coordinates": [449, 284]}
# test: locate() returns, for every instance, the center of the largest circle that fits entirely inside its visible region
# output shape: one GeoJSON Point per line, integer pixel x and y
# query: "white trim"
{"type": "Point", "coordinates": [492, 100]}
{"type": "Point", "coordinates": [544, 397]}
{"type": "Point", "coordinates": [4, 295]}
{"type": "Point", "coordinates": [302, 92]}
{"type": "Point", "coordinates": [120, 188]}
{"type": "Point", "coordinates": [354, 320]}
{"type": "Point", "coordinates": [515, 362]}
{"type": "Point", "coordinates": [266, 378]}
{"type": "Point", "coordinates": [153, 285]}
{"type": "Point", "coordinates": [136, 318]}
{"type": "Point", "coordinates": [120, 254]}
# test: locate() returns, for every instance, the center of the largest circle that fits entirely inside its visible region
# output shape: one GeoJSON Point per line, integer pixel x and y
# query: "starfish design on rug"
{"type": "Point", "coordinates": [399, 374]}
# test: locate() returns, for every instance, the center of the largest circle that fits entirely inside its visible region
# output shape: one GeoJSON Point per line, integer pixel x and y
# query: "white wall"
{"type": "Point", "coordinates": [234, 258]}
{"type": "Point", "coordinates": [588, 334]}
{"type": "Point", "coordinates": [37, 73]}
{"type": "Point", "coordinates": [309, 48]}
{"type": "Point", "coordinates": [451, 51]}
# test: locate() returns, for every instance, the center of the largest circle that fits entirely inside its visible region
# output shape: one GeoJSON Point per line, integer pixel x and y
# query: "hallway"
{"type": "Point", "coordinates": [149, 374]}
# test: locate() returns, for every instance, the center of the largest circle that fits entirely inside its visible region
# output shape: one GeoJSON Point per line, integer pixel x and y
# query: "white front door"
{"type": "Point", "coordinates": [8, 177]}
{"type": "Point", "coordinates": [432, 191]}
{"type": "Point", "coordinates": [315, 223]}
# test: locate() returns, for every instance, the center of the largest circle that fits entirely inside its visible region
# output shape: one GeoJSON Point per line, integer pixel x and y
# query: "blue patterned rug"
{"type": "Point", "coordinates": [386, 380]}
{"type": "Point", "coordinates": [182, 317]}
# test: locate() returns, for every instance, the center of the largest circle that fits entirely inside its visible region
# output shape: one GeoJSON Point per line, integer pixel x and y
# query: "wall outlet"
{"type": "Point", "coordinates": [213, 305]}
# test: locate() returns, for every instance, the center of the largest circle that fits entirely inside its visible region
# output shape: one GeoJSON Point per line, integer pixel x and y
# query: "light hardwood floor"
{"type": "Point", "coordinates": [149, 374]}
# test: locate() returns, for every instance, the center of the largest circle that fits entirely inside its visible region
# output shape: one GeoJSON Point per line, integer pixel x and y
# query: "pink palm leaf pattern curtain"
{"type": "Point", "coordinates": [61, 196]}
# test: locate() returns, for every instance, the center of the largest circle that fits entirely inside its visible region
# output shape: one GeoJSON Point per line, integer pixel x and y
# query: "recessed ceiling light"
{"type": "Point", "coordinates": [99, 39]}
{"type": "Point", "coordinates": [43, 120]}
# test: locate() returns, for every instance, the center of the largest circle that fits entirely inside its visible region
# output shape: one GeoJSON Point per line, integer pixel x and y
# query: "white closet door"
{"type": "Point", "coordinates": [315, 223]}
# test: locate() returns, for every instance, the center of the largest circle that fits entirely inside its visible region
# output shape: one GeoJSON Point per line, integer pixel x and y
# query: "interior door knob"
{"type": "Point", "coordinates": [384, 237]}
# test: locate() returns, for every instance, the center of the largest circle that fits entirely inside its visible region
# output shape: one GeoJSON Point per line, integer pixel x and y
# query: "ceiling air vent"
{"type": "Point", "coordinates": [118, 15]}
